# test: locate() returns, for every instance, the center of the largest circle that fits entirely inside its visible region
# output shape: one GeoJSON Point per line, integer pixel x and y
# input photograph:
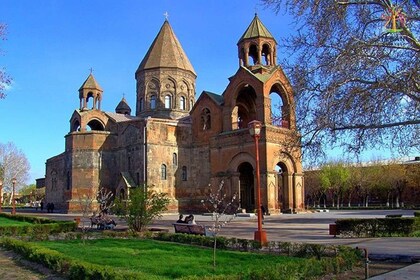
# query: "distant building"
{"type": "Point", "coordinates": [178, 145]}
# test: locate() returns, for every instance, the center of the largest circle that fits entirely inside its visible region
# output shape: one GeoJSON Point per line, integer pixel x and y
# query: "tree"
{"type": "Point", "coordinates": [219, 205]}
{"type": "Point", "coordinates": [5, 79]}
{"type": "Point", "coordinates": [355, 69]}
{"type": "Point", "coordinates": [335, 177]}
{"type": "Point", "coordinates": [13, 164]}
{"type": "Point", "coordinates": [141, 207]}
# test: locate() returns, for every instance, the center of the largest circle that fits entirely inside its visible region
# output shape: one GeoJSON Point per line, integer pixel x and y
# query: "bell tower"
{"type": "Point", "coordinates": [257, 46]}
{"type": "Point", "coordinates": [90, 89]}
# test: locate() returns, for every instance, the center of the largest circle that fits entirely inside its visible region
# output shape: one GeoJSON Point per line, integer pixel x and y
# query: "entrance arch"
{"type": "Point", "coordinates": [246, 186]}
{"type": "Point", "coordinates": [282, 185]}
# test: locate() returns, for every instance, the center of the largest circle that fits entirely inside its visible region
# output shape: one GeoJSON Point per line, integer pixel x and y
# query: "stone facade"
{"type": "Point", "coordinates": [177, 145]}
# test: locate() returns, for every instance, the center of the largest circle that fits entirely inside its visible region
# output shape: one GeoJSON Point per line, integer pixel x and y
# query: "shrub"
{"type": "Point", "coordinates": [378, 227]}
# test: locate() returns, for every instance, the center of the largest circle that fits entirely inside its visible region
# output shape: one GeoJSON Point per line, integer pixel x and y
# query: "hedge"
{"type": "Point", "coordinates": [39, 227]}
{"type": "Point", "coordinates": [378, 227]}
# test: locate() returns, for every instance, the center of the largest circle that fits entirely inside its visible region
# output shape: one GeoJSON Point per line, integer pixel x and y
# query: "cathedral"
{"type": "Point", "coordinates": [178, 145]}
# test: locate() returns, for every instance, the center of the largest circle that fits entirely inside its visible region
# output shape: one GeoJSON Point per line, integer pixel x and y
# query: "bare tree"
{"type": "Point", "coordinates": [13, 164]}
{"type": "Point", "coordinates": [220, 205]}
{"type": "Point", "coordinates": [5, 79]}
{"type": "Point", "coordinates": [355, 69]}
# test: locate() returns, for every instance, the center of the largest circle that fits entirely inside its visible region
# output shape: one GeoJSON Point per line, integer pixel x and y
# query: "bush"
{"type": "Point", "coordinates": [40, 227]}
{"type": "Point", "coordinates": [378, 227]}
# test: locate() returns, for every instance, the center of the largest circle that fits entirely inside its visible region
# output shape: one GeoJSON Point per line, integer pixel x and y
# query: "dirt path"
{"type": "Point", "coordinates": [12, 266]}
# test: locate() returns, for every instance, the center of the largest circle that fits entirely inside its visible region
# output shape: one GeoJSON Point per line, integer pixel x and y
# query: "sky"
{"type": "Point", "coordinates": [52, 45]}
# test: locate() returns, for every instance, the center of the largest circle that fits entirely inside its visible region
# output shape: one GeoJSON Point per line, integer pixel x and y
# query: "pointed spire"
{"type": "Point", "coordinates": [166, 51]}
{"type": "Point", "coordinates": [90, 83]}
{"type": "Point", "coordinates": [256, 29]}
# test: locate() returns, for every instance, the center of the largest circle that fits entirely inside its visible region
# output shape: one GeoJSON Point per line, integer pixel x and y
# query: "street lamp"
{"type": "Point", "coordinates": [13, 197]}
{"type": "Point", "coordinates": [1, 194]}
{"type": "Point", "coordinates": [255, 129]}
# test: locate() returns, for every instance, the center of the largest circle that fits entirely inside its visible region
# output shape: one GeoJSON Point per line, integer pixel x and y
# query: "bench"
{"type": "Point", "coordinates": [189, 229]}
{"type": "Point", "coordinates": [393, 216]}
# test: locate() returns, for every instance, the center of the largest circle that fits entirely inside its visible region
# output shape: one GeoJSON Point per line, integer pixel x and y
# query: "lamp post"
{"type": "Point", "coordinates": [1, 194]}
{"type": "Point", "coordinates": [255, 129]}
{"type": "Point", "coordinates": [13, 197]}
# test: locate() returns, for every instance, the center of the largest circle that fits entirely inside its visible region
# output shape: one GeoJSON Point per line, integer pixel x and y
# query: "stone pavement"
{"type": "Point", "coordinates": [308, 228]}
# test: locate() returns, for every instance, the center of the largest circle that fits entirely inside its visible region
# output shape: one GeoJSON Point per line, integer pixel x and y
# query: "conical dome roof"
{"type": "Point", "coordinates": [166, 51]}
{"type": "Point", "coordinates": [123, 107]}
{"type": "Point", "coordinates": [256, 29]}
{"type": "Point", "coordinates": [90, 83]}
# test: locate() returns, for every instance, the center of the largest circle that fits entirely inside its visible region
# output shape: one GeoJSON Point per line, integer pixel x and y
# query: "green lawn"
{"type": "Point", "coordinates": [5, 222]}
{"type": "Point", "coordinates": [158, 259]}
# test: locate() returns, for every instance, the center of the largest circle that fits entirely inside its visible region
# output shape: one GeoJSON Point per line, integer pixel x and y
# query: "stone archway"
{"type": "Point", "coordinates": [246, 186]}
{"type": "Point", "coordinates": [282, 179]}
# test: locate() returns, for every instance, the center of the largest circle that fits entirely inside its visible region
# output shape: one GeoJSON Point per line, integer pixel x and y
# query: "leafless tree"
{"type": "Point", "coordinates": [220, 205]}
{"type": "Point", "coordinates": [5, 79]}
{"type": "Point", "coordinates": [13, 164]}
{"type": "Point", "coordinates": [354, 66]}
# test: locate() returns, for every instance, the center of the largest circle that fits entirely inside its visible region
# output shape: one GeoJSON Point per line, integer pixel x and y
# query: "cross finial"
{"type": "Point", "coordinates": [123, 95]}
{"type": "Point", "coordinates": [166, 15]}
{"type": "Point", "coordinates": [91, 70]}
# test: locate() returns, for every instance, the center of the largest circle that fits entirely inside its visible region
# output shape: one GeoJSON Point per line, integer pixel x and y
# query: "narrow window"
{"type": "Point", "coordinates": [68, 180]}
{"type": "Point", "coordinates": [141, 104]}
{"type": "Point", "coordinates": [182, 103]}
{"type": "Point", "coordinates": [163, 172]}
{"type": "Point", "coordinates": [174, 159]}
{"type": "Point", "coordinates": [205, 119]}
{"type": "Point", "coordinates": [153, 102]}
{"type": "Point", "coordinates": [184, 173]}
{"type": "Point", "coordinates": [168, 101]}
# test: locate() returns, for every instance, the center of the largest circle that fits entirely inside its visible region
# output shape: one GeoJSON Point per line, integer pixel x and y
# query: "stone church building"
{"type": "Point", "coordinates": [176, 144]}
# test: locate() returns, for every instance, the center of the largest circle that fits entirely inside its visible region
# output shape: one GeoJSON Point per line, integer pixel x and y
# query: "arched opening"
{"type": "Point", "coordinates": [122, 194]}
{"type": "Point", "coordinates": [141, 104]}
{"type": "Point", "coordinates": [153, 102]}
{"type": "Point", "coordinates": [184, 173]}
{"type": "Point", "coordinates": [245, 109]}
{"type": "Point", "coordinates": [206, 119]}
{"type": "Point", "coordinates": [95, 125]}
{"type": "Point", "coordinates": [182, 103]}
{"type": "Point", "coordinates": [282, 185]}
{"type": "Point", "coordinates": [174, 159]}
{"type": "Point", "coordinates": [163, 172]}
{"type": "Point", "coordinates": [75, 126]}
{"type": "Point", "coordinates": [168, 101]}
{"type": "Point", "coordinates": [266, 53]}
{"type": "Point", "coordinates": [253, 54]}
{"type": "Point", "coordinates": [280, 109]}
{"type": "Point", "coordinates": [91, 96]}
{"type": "Point", "coordinates": [246, 187]}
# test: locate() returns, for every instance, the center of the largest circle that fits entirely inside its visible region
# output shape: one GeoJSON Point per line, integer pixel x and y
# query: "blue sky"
{"type": "Point", "coordinates": [52, 44]}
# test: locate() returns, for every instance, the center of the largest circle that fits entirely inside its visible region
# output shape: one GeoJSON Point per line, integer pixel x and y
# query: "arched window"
{"type": "Point", "coordinates": [163, 172]}
{"type": "Point", "coordinates": [141, 104]}
{"type": "Point", "coordinates": [168, 102]}
{"type": "Point", "coordinates": [174, 159]}
{"type": "Point", "coordinates": [153, 102]}
{"type": "Point", "coordinates": [184, 173]}
{"type": "Point", "coordinates": [95, 125]}
{"type": "Point", "coordinates": [182, 103]}
{"type": "Point", "coordinates": [205, 119]}
{"type": "Point", "coordinates": [122, 194]}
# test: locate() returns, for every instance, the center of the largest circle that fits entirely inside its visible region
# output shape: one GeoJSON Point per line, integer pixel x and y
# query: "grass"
{"type": "Point", "coordinates": [164, 260]}
{"type": "Point", "coordinates": [5, 222]}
